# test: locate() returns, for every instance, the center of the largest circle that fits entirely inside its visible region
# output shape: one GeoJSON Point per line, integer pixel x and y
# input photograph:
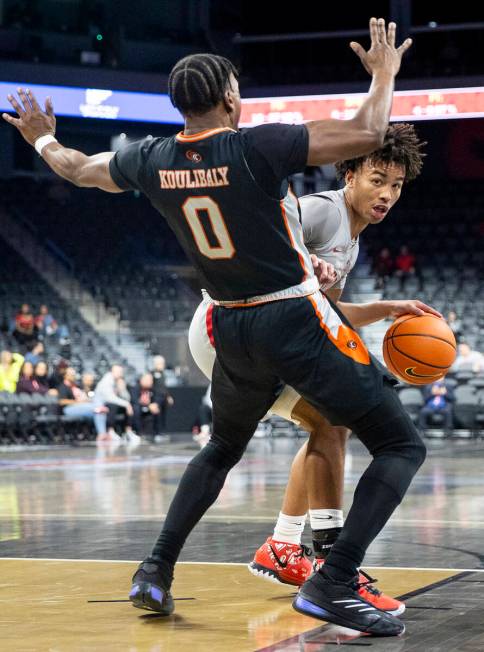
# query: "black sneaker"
{"type": "Point", "coordinates": [340, 603]}
{"type": "Point", "coordinates": [148, 592]}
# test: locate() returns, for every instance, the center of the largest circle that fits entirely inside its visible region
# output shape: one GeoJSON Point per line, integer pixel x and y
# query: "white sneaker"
{"type": "Point", "coordinates": [109, 439]}
{"type": "Point", "coordinates": [131, 438]}
{"type": "Point", "coordinates": [112, 435]}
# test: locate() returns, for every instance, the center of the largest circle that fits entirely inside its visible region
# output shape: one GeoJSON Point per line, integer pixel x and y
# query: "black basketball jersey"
{"type": "Point", "coordinates": [225, 195]}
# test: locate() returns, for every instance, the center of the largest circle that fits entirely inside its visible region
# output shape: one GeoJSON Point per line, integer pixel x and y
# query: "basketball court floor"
{"type": "Point", "coordinates": [75, 522]}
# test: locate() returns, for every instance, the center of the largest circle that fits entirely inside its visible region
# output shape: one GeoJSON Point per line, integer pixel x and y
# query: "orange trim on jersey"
{"type": "Point", "coordinates": [191, 138]}
{"type": "Point", "coordinates": [348, 341]}
{"type": "Point", "coordinates": [291, 240]}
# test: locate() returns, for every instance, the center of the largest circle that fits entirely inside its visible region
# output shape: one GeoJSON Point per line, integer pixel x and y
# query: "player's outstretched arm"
{"type": "Point", "coordinates": [362, 314]}
{"type": "Point", "coordinates": [335, 140]}
{"type": "Point", "coordinates": [34, 123]}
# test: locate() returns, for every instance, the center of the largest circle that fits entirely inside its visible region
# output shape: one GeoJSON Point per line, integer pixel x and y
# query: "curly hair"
{"type": "Point", "coordinates": [401, 146]}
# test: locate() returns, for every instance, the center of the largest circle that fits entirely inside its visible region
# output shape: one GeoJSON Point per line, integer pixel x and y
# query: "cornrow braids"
{"type": "Point", "coordinates": [401, 146]}
{"type": "Point", "coordinates": [197, 83]}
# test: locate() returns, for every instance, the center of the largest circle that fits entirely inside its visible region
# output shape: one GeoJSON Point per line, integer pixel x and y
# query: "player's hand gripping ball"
{"type": "Point", "coordinates": [419, 349]}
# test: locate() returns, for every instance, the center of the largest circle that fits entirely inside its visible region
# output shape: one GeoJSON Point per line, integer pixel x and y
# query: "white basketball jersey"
{"type": "Point", "coordinates": [327, 231]}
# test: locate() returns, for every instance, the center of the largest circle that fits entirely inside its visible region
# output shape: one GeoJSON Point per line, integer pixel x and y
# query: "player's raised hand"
{"type": "Point", "coordinates": [382, 55]}
{"type": "Point", "coordinates": [32, 121]}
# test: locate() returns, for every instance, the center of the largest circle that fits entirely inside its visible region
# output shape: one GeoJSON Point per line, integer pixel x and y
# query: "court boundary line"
{"type": "Point", "coordinates": [232, 563]}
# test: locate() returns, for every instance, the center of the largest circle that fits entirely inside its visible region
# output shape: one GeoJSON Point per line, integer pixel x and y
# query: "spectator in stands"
{"type": "Point", "coordinates": [10, 365]}
{"type": "Point", "coordinates": [107, 394]}
{"type": "Point", "coordinates": [41, 374]}
{"type": "Point", "coordinates": [455, 324]}
{"type": "Point", "coordinates": [404, 264]}
{"type": "Point", "coordinates": [468, 360]}
{"type": "Point", "coordinates": [45, 323]}
{"type": "Point", "coordinates": [146, 406]}
{"type": "Point", "coordinates": [383, 266]}
{"type": "Point", "coordinates": [76, 405]}
{"type": "Point", "coordinates": [118, 417]}
{"type": "Point", "coordinates": [166, 400]}
{"type": "Point", "coordinates": [36, 353]}
{"type": "Point", "coordinates": [27, 383]}
{"type": "Point", "coordinates": [24, 331]}
{"type": "Point", "coordinates": [205, 412]}
{"type": "Point", "coordinates": [88, 382]}
{"type": "Point", "coordinates": [205, 419]}
{"type": "Point", "coordinates": [57, 378]}
{"type": "Point", "coordinates": [438, 400]}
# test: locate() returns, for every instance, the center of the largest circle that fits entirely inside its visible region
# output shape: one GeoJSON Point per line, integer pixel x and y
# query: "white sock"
{"type": "Point", "coordinates": [289, 529]}
{"type": "Point", "coordinates": [326, 519]}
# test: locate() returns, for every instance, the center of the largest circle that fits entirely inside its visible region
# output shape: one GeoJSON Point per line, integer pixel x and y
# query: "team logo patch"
{"type": "Point", "coordinates": [351, 344]}
{"type": "Point", "coordinates": [193, 156]}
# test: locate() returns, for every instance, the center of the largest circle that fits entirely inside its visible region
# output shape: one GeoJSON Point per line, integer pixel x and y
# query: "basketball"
{"type": "Point", "coordinates": [419, 349]}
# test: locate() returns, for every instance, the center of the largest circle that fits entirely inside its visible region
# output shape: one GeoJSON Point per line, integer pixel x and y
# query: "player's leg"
{"type": "Point", "coordinates": [347, 386]}
{"type": "Point", "coordinates": [316, 482]}
{"type": "Point", "coordinates": [317, 474]}
{"type": "Point", "coordinates": [325, 459]}
{"type": "Point", "coordinates": [282, 558]}
{"type": "Point", "coordinates": [398, 452]}
{"type": "Point", "coordinates": [240, 399]}
{"type": "Point", "coordinates": [290, 406]}
{"type": "Point", "coordinates": [408, 445]}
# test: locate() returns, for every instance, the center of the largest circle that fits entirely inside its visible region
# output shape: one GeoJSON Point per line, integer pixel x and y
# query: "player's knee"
{"type": "Point", "coordinates": [407, 444]}
{"type": "Point", "coordinates": [223, 453]}
{"type": "Point", "coordinates": [327, 439]}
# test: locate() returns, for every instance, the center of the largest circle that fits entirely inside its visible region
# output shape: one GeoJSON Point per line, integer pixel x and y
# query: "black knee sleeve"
{"type": "Point", "coordinates": [220, 454]}
{"type": "Point", "coordinates": [394, 442]}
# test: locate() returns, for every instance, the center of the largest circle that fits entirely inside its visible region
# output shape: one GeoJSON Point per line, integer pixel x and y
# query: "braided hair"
{"type": "Point", "coordinates": [197, 83]}
{"type": "Point", "coordinates": [401, 146]}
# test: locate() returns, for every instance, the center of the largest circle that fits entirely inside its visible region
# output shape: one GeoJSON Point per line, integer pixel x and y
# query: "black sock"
{"type": "Point", "coordinates": [323, 540]}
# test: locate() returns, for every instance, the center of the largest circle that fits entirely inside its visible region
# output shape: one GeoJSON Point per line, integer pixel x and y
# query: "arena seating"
{"type": "Point", "coordinates": [84, 347]}
{"type": "Point", "coordinates": [117, 245]}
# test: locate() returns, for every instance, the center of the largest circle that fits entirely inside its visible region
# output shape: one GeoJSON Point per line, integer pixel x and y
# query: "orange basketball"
{"type": "Point", "coordinates": [419, 349]}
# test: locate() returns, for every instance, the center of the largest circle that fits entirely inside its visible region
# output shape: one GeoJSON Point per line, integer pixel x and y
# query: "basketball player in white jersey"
{"type": "Point", "coordinates": [332, 222]}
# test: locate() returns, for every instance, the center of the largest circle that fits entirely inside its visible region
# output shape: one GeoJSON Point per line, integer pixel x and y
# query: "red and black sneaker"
{"type": "Point", "coordinates": [283, 563]}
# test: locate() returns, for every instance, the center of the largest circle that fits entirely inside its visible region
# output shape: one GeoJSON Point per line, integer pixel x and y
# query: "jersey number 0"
{"type": "Point", "coordinates": [191, 209]}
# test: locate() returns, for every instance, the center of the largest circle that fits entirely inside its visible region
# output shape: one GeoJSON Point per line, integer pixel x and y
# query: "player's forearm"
{"type": "Point", "coordinates": [362, 314]}
{"type": "Point", "coordinates": [67, 163]}
{"type": "Point", "coordinates": [374, 113]}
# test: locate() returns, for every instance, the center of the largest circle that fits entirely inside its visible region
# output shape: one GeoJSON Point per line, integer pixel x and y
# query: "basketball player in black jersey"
{"type": "Point", "coordinates": [224, 192]}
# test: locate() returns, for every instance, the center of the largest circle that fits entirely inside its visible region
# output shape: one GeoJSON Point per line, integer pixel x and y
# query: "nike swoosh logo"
{"type": "Point", "coordinates": [410, 371]}
{"type": "Point", "coordinates": [323, 518]}
{"type": "Point", "coordinates": [283, 564]}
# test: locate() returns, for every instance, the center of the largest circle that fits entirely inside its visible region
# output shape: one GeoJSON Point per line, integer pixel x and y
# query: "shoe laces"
{"type": "Point", "coordinates": [368, 584]}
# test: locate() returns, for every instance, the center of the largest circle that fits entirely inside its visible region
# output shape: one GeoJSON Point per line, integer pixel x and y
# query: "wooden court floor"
{"type": "Point", "coordinates": [69, 517]}
{"type": "Point", "coordinates": [74, 606]}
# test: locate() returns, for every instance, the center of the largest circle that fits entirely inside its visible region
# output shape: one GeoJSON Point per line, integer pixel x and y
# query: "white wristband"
{"type": "Point", "coordinates": [41, 142]}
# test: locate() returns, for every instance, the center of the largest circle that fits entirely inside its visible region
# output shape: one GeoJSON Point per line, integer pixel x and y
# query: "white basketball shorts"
{"type": "Point", "coordinates": [204, 355]}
